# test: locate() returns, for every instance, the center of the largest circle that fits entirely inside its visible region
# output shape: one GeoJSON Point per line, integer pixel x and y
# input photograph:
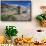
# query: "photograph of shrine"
{"type": "Point", "coordinates": [15, 10]}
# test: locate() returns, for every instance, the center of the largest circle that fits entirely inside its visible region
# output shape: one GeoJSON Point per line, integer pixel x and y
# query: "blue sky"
{"type": "Point", "coordinates": [23, 3]}
{"type": "Point", "coordinates": [0, 2]}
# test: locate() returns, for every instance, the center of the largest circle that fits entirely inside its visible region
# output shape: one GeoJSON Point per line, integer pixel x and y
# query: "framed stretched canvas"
{"type": "Point", "coordinates": [15, 10]}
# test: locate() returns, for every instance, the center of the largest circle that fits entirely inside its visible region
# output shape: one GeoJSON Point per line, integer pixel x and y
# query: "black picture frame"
{"type": "Point", "coordinates": [11, 11]}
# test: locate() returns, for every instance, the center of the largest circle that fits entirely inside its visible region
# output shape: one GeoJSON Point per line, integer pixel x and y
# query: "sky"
{"type": "Point", "coordinates": [23, 3]}
{"type": "Point", "coordinates": [15, 0]}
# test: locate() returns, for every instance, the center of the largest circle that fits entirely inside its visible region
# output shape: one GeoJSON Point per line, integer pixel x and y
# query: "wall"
{"type": "Point", "coordinates": [27, 28]}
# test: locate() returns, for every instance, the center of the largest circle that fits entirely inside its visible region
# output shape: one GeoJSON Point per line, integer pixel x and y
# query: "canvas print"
{"type": "Point", "coordinates": [15, 10]}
